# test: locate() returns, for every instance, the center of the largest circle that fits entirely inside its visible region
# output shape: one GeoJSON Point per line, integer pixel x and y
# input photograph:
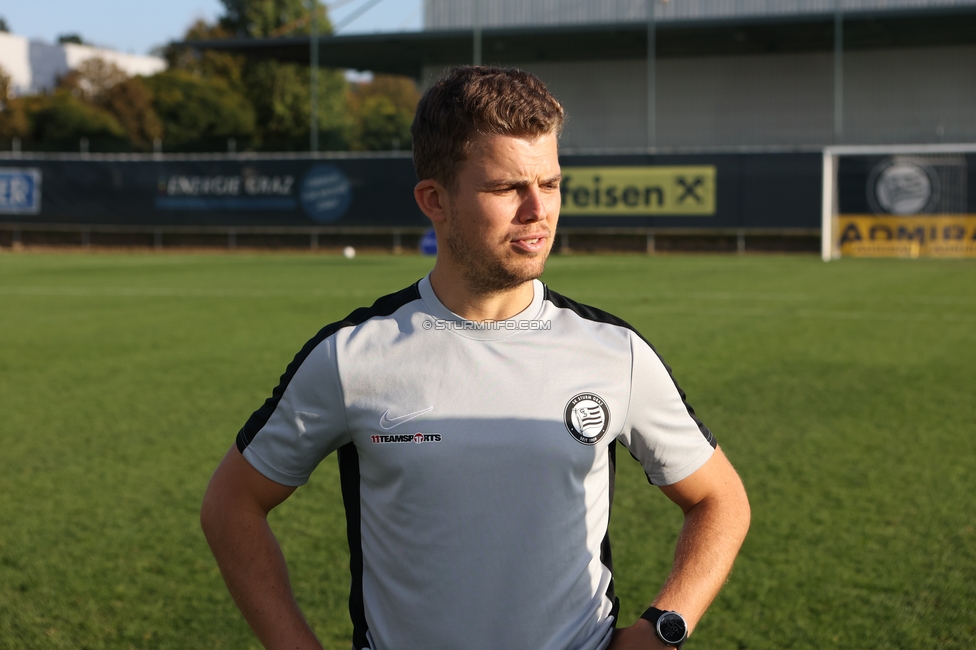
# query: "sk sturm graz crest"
{"type": "Point", "coordinates": [587, 418]}
{"type": "Point", "coordinates": [903, 185]}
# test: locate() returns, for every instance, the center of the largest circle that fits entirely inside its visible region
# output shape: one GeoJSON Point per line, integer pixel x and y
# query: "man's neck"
{"type": "Point", "coordinates": [454, 294]}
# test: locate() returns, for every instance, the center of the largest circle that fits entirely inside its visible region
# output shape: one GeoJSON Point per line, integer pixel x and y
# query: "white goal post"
{"type": "Point", "coordinates": [898, 201]}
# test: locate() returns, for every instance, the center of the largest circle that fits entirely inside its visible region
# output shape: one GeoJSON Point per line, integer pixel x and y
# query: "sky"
{"type": "Point", "coordinates": [137, 26]}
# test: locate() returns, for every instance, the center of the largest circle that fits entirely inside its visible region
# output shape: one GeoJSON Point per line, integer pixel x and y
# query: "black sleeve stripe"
{"type": "Point", "coordinates": [349, 478]}
{"type": "Point", "coordinates": [597, 315]}
{"type": "Point", "coordinates": [382, 307]}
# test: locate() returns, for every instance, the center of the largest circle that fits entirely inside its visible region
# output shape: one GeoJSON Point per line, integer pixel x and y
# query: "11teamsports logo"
{"type": "Point", "coordinates": [406, 437]}
{"type": "Point", "coordinates": [587, 418]}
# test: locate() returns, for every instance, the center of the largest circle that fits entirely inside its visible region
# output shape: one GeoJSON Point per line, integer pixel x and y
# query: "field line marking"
{"type": "Point", "coordinates": [807, 313]}
{"type": "Point", "coordinates": [170, 292]}
{"type": "Point", "coordinates": [789, 297]}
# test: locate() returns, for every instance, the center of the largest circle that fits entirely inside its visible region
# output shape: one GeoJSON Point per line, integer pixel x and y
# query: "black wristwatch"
{"type": "Point", "coordinates": [670, 626]}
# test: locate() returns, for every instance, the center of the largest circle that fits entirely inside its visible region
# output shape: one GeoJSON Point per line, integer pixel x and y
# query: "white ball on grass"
{"type": "Point", "coordinates": [349, 252]}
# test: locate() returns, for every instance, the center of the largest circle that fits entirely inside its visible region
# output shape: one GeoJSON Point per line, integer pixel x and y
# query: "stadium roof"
{"type": "Point", "coordinates": [406, 53]}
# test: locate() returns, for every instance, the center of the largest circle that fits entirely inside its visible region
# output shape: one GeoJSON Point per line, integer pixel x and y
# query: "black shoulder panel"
{"type": "Point", "coordinates": [382, 307]}
{"type": "Point", "coordinates": [600, 316]}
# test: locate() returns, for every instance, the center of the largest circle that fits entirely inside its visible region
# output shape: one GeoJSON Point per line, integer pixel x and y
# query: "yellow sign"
{"type": "Point", "coordinates": [916, 236]}
{"type": "Point", "coordinates": [638, 191]}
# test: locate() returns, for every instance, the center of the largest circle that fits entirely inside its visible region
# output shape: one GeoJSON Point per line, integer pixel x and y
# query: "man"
{"type": "Point", "coordinates": [476, 415]}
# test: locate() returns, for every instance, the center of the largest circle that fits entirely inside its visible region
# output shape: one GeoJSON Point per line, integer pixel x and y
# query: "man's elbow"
{"type": "Point", "coordinates": [208, 515]}
{"type": "Point", "coordinates": [736, 504]}
{"type": "Point", "coordinates": [213, 511]}
{"type": "Point", "coordinates": [745, 512]}
{"type": "Point", "coordinates": [728, 506]}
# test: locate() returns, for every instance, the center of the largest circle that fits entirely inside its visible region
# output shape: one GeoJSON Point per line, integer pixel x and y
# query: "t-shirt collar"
{"type": "Point", "coordinates": [526, 320]}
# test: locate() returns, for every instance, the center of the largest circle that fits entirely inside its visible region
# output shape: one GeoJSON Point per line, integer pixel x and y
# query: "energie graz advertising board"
{"type": "Point", "coordinates": [906, 206]}
{"type": "Point", "coordinates": [229, 192]}
{"type": "Point", "coordinates": [615, 191]}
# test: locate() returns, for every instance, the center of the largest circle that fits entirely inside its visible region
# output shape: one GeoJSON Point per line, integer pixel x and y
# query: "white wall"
{"type": "Point", "coordinates": [133, 64]}
{"type": "Point", "coordinates": [47, 63]}
{"type": "Point", "coordinates": [15, 60]}
{"type": "Point", "coordinates": [35, 66]}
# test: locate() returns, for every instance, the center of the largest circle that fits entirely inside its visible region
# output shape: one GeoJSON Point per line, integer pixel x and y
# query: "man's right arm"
{"type": "Point", "coordinates": [234, 517]}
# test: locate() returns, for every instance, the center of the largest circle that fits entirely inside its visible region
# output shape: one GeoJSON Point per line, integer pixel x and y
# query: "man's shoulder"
{"type": "Point", "coordinates": [586, 312]}
{"type": "Point", "coordinates": [383, 306]}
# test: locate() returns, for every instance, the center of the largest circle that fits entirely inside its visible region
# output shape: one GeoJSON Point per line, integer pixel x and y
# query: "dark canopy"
{"type": "Point", "coordinates": [406, 53]}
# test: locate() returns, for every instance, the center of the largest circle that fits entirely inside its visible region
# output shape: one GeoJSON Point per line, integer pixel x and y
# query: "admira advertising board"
{"type": "Point", "coordinates": [905, 205]}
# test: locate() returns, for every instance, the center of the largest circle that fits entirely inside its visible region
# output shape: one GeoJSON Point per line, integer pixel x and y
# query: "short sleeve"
{"type": "Point", "coordinates": [661, 430]}
{"type": "Point", "coordinates": [302, 423]}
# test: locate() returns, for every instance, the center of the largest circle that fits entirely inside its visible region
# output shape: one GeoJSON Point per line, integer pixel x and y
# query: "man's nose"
{"type": "Point", "coordinates": [533, 207]}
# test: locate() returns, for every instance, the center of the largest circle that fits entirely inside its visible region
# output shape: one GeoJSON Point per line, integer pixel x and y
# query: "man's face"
{"type": "Point", "coordinates": [503, 211]}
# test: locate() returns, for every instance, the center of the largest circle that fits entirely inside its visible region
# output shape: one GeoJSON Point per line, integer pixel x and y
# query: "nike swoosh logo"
{"type": "Point", "coordinates": [387, 423]}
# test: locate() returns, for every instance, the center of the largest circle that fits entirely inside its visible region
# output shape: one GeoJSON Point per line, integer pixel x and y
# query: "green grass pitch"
{"type": "Point", "coordinates": [843, 392]}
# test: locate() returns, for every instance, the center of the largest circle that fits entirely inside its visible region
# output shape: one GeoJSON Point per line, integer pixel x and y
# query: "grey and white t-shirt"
{"type": "Point", "coordinates": [477, 464]}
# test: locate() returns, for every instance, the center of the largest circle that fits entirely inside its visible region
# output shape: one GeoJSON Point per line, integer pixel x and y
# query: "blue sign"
{"type": "Point", "coordinates": [20, 191]}
{"type": "Point", "coordinates": [326, 193]}
{"type": "Point", "coordinates": [237, 204]}
{"type": "Point", "coordinates": [209, 193]}
{"type": "Point", "coordinates": [428, 243]}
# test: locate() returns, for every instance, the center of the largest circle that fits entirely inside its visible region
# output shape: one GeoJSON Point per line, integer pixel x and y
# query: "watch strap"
{"type": "Point", "coordinates": [653, 614]}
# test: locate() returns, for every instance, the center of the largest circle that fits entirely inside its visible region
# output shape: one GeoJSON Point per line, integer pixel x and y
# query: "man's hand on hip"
{"type": "Point", "coordinates": [639, 636]}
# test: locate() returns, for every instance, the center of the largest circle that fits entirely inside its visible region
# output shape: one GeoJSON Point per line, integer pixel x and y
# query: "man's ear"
{"type": "Point", "coordinates": [432, 200]}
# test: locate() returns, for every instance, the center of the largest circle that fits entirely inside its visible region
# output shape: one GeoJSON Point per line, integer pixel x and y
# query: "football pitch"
{"type": "Point", "coordinates": [844, 393]}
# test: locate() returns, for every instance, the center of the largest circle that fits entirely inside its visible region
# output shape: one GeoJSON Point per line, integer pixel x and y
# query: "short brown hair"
{"type": "Point", "coordinates": [478, 100]}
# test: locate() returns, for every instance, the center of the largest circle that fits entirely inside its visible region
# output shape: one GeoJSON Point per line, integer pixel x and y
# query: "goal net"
{"type": "Point", "coordinates": [899, 201]}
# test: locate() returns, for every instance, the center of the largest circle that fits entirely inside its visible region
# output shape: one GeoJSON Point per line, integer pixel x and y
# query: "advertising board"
{"type": "Point", "coordinates": [20, 191]}
{"type": "Point", "coordinates": [728, 191]}
{"type": "Point", "coordinates": [900, 202]}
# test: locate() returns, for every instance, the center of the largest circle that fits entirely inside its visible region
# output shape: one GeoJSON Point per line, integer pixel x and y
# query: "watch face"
{"type": "Point", "coordinates": [671, 627]}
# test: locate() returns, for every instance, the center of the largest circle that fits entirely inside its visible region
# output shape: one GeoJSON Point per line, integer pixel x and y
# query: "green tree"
{"type": "Point", "coordinates": [197, 113]}
{"type": "Point", "coordinates": [61, 120]}
{"type": "Point", "coordinates": [383, 111]}
{"type": "Point", "coordinates": [281, 96]}
{"type": "Point", "coordinates": [281, 92]}
{"type": "Point", "coordinates": [14, 122]}
{"type": "Point", "coordinates": [103, 84]}
{"type": "Point", "coordinates": [380, 126]}
{"type": "Point", "coordinates": [4, 27]}
{"type": "Point", "coordinates": [264, 18]}
{"type": "Point", "coordinates": [208, 64]}
{"type": "Point", "coordinates": [131, 102]}
{"type": "Point", "coordinates": [92, 79]}
{"type": "Point", "coordinates": [5, 86]}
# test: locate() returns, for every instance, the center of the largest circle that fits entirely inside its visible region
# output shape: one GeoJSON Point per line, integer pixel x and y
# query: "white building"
{"type": "Point", "coordinates": [34, 66]}
{"type": "Point", "coordinates": [739, 73]}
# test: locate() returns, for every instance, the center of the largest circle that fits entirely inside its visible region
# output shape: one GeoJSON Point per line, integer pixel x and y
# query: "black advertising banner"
{"type": "Point", "coordinates": [367, 192]}
{"type": "Point", "coordinates": [707, 191]}
{"type": "Point", "coordinates": [906, 184]}
{"type": "Point", "coordinates": [906, 205]}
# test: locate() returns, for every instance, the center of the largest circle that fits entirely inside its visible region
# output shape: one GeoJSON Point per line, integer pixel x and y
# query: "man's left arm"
{"type": "Point", "coordinates": [717, 515]}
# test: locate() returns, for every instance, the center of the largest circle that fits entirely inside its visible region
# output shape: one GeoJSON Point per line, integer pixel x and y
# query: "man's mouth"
{"type": "Point", "coordinates": [532, 243]}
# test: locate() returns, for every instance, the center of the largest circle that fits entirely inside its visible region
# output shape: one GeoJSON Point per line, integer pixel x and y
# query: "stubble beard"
{"type": "Point", "coordinates": [486, 275]}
